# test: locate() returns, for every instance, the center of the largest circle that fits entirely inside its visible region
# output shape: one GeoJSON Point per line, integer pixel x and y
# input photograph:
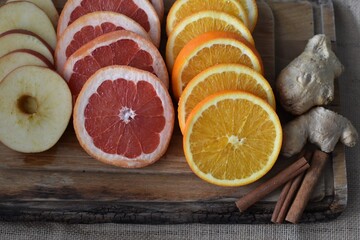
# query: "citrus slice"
{"type": "Point", "coordinates": [139, 10]}
{"type": "Point", "coordinates": [202, 22]}
{"type": "Point", "coordinates": [232, 138]}
{"type": "Point", "coordinates": [87, 28]}
{"type": "Point", "coordinates": [159, 7]}
{"type": "Point", "coordinates": [124, 117]}
{"type": "Point", "coordinates": [220, 78]}
{"type": "Point", "coordinates": [208, 50]}
{"type": "Point", "coordinates": [114, 48]}
{"type": "Point", "coordinates": [181, 9]}
{"type": "Point", "coordinates": [251, 10]}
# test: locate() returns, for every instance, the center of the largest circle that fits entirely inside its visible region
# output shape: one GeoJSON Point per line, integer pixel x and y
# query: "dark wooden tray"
{"type": "Point", "coordinates": [64, 184]}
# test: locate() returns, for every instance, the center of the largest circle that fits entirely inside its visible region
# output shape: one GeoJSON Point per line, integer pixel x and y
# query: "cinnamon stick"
{"type": "Point", "coordinates": [267, 187]}
{"type": "Point", "coordinates": [286, 197]}
{"type": "Point", "coordinates": [288, 194]}
{"type": "Point", "coordinates": [311, 178]}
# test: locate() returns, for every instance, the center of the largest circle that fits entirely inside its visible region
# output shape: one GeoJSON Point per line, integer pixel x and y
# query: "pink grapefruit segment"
{"type": "Point", "coordinates": [87, 28]}
{"type": "Point", "coordinates": [140, 11]}
{"type": "Point", "coordinates": [115, 48]}
{"type": "Point", "coordinates": [124, 116]}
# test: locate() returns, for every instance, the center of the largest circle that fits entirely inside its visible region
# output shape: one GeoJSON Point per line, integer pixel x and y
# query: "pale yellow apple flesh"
{"type": "Point", "coordinates": [16, 40]}
{"type": "Point", "coordinates": [47, 6]}
{"type": "Point", "coordinates": [19, 58]}
{"type": "Point", "coordinates": [27, 16]}
{"type": "Point", "coordinates": [36, 106]}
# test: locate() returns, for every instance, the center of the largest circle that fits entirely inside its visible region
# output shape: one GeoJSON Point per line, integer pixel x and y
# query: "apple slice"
{"type": "Point", "coordinates": [36, 106]}
{"type": "Point", "coordinates": [19, 58]}
{"type": "Point", "coordinates": [20, 39]}
{"type": "Point", "coordinates": [27, 16]}
{"type": "Point", "coordinates": [47, 6]}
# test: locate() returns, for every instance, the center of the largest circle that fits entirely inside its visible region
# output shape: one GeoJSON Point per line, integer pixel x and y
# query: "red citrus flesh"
{"type": "Point", "coordinates": [87, 28]}
{"type": "Point", "coordinates": [139, 10]}
{"type": "Point", "coordinates": [115, 48]}
{"type": "Point", "coordinates": [124, 116]}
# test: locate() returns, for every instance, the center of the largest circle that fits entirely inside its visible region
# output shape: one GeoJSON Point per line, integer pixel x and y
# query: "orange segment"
{"type": "Point", "coordinates": [219, 78]}
{"type": "Point", "coordinates": [208, 50]}
{"type": "Point", "coordinates": [232, 138]}
{"type": "Point", "coordinates": [181, 9]}
{"type": "Point", "coordinates": [251, 10]}
{"type": "Point", "coordinates": [199, 23]}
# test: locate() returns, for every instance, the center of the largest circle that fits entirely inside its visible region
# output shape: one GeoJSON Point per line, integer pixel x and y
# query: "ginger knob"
{"type": "Point", "coordinates": [308, 80]}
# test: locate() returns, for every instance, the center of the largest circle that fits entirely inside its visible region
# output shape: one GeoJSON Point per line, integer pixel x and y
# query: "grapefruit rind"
{"type": "Point", "coordinates": [94, 19]}
{"type": "Point", "coordinates": [132, 74]}
{"type": "Point", "coordinates": [153, 18]}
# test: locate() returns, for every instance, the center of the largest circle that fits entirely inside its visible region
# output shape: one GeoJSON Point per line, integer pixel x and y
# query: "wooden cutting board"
{"type": "Point", "coordinates": [64, 184]}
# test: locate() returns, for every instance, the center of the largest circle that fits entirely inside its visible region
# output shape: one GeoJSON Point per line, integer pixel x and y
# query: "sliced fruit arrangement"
{"type": "Point", "coordinates": [27, 16]}
{"type": "Point", "coordinates": [202, 22]}
{"type": "Point", "coordinates": [21, 39]}
{"type": "Point", "coordinates": [209, 49]}
{"type": "Point", "coordinates": [124, 116]}
{"type": "Point", "coordinates": [231, 133]}
{"type": "Point", "coordinates": [47, 6]}
{"type": "Point", "coordinates": [32, 117]}
{"type": "Point", "coordinates": [35, 101]}
{"type": "Point", "coordinates": [107, 53]}
{"type": "Point", "coordinates": [19, 58]}
{"type": "Point", "coordinates": [218, 78]}
{"type": "Point", "coordinates": [182, 9]}
{"type": "Point", "coordinates": [140, 11]}
{"type": "Point", "coordinates": [232, 138]}
{"type": "Point", "coordinates": [114, 48]}
{"type": "Point", "coordinates": [87, 28]}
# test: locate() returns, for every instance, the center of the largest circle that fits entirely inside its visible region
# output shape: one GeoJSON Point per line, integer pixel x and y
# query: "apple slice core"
{"type": "Point", "coordinates": [36, 107]}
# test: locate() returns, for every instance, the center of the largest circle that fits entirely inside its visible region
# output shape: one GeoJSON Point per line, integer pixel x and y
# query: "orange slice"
{"type": "Point", "coordinates": [181, 9]}
{"type": "Point", "coordinates": [124, 117]}
{"type": "Point", "coordinates": [232, 138]}
{"type": "Point", "coordinates": [251, 10]}
{"type": "Point", "coordinates": [208, 50]}
{"type": "Point", "coordinates": [87, 28]}
{"type": "Point", "coordinates": [139, 10]}
{"type": "Point", "coordinates": [199, 23]}
{"type": "Point", "coordinates": [114, 48]}
{"type": "Point", "coordinates": [220, 78]}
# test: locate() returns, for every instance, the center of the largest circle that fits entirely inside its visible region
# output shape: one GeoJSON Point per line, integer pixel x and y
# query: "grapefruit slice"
{"type": "Point", "coordinates": [159, 7]}
{"type": "Point", "coordinates": [87, 28]}
{"type": "Point", "coordinates": [19, 58]}
{"type": "Point", "coordinates": [115, 48]}
{"type": "Point", "coordinates": [21, 39]}
{"type": "Point", "coordinates": [124, 117]}
{"type": "Point", "coordinates": [139, 10]}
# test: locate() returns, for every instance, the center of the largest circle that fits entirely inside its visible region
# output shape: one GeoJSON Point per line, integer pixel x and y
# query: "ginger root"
{"type": "Point", "coordinates": [309, 79]}
{"type": "Point", "coordinates": [320, 126]}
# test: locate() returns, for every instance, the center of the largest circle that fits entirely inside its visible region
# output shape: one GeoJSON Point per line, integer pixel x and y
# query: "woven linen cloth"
{"type": "Point", "coordinates": [347, 226]}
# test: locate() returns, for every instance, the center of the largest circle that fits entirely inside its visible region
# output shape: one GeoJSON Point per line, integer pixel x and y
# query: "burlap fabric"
{"type": "Point", "coordinates": [347, 226]}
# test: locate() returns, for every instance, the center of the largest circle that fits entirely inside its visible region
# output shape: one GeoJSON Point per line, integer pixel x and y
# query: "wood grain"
{"type": "Point", "coordinates": [65, 184]}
